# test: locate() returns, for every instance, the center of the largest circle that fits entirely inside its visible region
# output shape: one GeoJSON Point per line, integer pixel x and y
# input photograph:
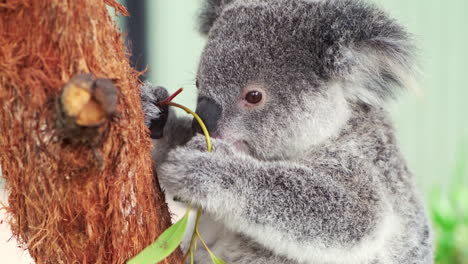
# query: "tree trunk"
{"type": "Point", "coordinates": [81, 186]}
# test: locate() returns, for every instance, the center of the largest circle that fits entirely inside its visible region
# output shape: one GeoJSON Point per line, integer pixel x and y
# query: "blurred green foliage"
{"type": "Point", "coordinates": [449, 209]}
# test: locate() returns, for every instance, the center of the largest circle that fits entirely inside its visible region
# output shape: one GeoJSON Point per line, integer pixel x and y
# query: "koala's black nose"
{"type": "Point", "coordinates": [210, 112]}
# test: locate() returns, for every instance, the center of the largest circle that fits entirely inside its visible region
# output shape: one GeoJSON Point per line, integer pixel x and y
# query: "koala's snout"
{"type": "Point", "coordinates": [210, 112]}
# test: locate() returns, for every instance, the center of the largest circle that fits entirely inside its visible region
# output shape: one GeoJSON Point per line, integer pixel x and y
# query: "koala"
{"type": "Point", "coordinates": [305, 166]}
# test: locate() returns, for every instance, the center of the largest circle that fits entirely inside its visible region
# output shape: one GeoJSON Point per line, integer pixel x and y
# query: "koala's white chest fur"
{"type": "Point", "coordinates": [229, 246]}
{"type": "Point", "coordinates": [219, 239]}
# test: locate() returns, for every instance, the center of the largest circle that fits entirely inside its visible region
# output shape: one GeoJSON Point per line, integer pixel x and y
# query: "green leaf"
{"type": "Point", "coordinates": [216, 260]}
{"type": "Point", "coordinates": [164, 245]}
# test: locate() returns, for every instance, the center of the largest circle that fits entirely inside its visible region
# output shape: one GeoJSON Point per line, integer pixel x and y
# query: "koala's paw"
{"type": "Point", "coordinates": [155, 116]}
{"type": "Point", "coordinates": [191, 171]}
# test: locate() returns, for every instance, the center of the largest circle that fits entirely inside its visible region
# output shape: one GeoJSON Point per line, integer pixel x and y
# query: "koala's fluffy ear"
{"type": "Point", "coordinates": [209, 13]}
{"type": "Point", "coordinates": [371, 53]}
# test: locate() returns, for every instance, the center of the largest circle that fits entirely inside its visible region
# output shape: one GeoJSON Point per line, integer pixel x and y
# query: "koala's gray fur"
{"type": "Point", "coordinates": [313, 175]}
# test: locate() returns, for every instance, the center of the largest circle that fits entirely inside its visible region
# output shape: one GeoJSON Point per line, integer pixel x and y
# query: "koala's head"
{"type": "Point", "coordinates": [278, 77]}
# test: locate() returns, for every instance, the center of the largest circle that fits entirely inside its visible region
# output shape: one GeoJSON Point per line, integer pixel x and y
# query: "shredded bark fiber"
{"type": "Point", "coordinates": [73, 203]}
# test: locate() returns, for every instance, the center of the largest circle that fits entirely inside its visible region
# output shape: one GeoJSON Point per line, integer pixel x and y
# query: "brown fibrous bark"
{"type": "Point", "coordinates": [70, 201]}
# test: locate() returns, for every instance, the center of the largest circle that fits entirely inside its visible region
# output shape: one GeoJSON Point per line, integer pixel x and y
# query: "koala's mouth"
{"type": "Point", "coordinates": [241, 146]}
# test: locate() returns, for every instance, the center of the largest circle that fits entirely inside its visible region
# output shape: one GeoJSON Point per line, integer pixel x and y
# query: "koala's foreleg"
{"type": "Point", "coordinates": [308, 213]}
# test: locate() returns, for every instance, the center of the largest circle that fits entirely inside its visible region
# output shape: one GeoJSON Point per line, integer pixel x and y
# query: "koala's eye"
{"type": "Point", "coordinates": [253, 97]}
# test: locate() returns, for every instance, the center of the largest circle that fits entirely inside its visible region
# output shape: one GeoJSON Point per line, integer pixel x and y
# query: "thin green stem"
{"type": "Point", "coordinates": [199, 212]}
{"type": "Point", "coordinates": [199, 120]}
{"type": "Point", "coordinates": [193, 240]}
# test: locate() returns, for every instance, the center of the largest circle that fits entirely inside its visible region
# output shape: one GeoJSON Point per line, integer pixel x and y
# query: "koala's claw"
{"type": "Point", "coordinates": [155, 116]}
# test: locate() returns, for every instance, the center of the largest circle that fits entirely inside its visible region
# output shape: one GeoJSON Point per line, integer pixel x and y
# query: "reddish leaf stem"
{"type": "Point", "coordinates": [170, 98]}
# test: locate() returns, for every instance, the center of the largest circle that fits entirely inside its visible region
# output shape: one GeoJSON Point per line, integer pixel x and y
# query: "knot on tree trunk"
{"type": "Point", "coordinates": [84, 108]}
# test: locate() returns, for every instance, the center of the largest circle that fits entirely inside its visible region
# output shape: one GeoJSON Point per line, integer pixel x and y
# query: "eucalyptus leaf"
{"type": "Point", "coordinates": [164, 245]}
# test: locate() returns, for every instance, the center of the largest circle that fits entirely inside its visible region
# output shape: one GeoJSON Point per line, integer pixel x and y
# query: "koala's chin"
{"type": "Point", "coordinates": [242, 147]}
